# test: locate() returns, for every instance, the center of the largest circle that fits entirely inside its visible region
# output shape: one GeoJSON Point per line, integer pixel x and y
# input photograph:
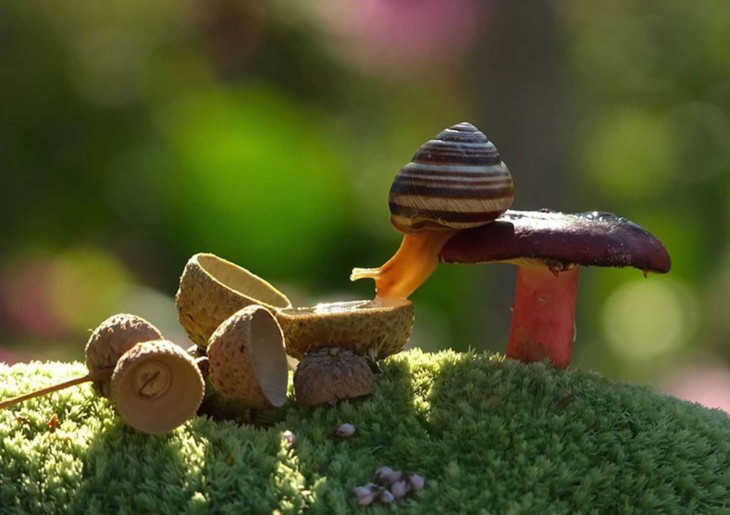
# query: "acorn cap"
{"type": "Point", "coordinates": [559, 241]}
{"type": "Point", "coordinates": [156, 386]}
{"type": "Point", "coordinates": [331, 374]}
{"type": "Point", "coordinates": [212, 289]}
{"type": "Point", "coordinates": [363, 326]}
{"type": "Point", "coordinates": [112, 338]}
{"type": "Point", "coordinates": [247, 360]}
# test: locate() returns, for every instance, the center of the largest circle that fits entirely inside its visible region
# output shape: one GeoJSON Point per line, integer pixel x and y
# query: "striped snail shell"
{"type": "Point", "coordinates": [454, 181]}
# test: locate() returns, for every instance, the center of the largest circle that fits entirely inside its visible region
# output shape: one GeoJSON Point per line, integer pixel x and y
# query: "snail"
{"type": "Point", "coordinates": [156, 386]}
{"type": "Point", "coordinates": [454, 181]}
{"type": "Point", "coordinates": [247, 360]}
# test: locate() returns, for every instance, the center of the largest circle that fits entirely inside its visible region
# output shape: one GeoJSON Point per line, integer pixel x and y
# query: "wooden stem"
{"type": "Point", "coordinates": [98, 375]}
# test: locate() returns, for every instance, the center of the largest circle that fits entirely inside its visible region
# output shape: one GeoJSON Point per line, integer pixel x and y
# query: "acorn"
{"type": "Point", "coordinates": [212, 289]}
{"type": "Point", "coordinates": [364, 327]}
{"type": "Point", "coordinates": [328, 375]}
{"type": "Point", "coordinates": [112, 338]}
{"type": "Point", "coordinates": [156, 386]}
{"type": "Point", "coordinates": [247, 360]}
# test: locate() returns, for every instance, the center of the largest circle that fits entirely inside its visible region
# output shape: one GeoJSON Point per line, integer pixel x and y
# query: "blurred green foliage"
{"type": "Point", "coordinates": [134, 135]}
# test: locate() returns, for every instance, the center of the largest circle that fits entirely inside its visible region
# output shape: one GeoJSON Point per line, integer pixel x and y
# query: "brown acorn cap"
{"type": "Point", "coordinates": [112, 338]}
{"type": "Point", "coordinates": [156, 386]}
{"type": "Point", "coordinates": [331, 374]}
{"type": "Point", "coordinates": [247, 360]}
{"type": "Point", "coordinates": [212, 289]}
{"type": "Point", "coordinates": [377, 327]}
{"type": "Point", "coordinates": [559, 241]}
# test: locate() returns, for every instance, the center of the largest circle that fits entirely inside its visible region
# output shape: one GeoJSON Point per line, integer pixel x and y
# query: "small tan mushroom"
{"type": "Point", "coordinates": [364, 327]}
{"type": "Point", "coordinates": [212, 289]}
{"type": "Point", "coordinates": [156, 386]}
{"type": "Point", "coordinates": [328, 375]}
{"type": "Point", "coordinates": [247, 360]}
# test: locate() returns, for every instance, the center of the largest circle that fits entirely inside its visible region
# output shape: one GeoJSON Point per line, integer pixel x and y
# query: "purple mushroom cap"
{"type": "Point", "coordinates": [559, 241]}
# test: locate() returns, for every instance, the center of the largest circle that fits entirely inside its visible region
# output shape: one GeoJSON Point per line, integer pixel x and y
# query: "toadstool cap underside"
{"type": "Point", "coordinates": [559, 241]}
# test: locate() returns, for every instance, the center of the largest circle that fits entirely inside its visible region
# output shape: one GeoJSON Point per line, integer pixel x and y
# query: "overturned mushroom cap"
{"type": "Point", "coordinates": [247, 360]}
{"type": "Point", "coordinates": [212, 289]}
{"type": "Point", "coordinates": [559, 241]}
{"type": "Point", "coordinates": [364, 327]}
{"type": "Point", "coordinates": [328, 375]}
{"type": "Point", "coordinates": [112, 338]}
{"type": "Point", "coordinates": [156, 386]}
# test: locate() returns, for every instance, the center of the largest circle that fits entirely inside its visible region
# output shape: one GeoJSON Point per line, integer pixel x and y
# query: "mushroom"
{"type": "Point", "coordinates": [548, 248]}
{"type": "Point", "coordinates": [454, 181]}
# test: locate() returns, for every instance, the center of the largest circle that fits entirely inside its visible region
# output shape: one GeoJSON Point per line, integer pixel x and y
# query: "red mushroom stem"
{"type": "Point", "coordinates": [543, 315]}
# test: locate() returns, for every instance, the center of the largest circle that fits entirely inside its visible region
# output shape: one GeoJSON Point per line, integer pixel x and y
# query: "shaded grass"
{"type": "Point", "coordinates": [488, 435]}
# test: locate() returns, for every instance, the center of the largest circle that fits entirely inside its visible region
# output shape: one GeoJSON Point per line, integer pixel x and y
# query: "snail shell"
{"type": "Point", "coordinates": [112, 338]}
{"type": "Point", "coordinates": [247, 360]}
{"type": "Point", "coordinates": [212, 289]}
{"type": "Point", "coordinates": [454, 181]}
{"type": "Point", "coordinates": [156, 386]}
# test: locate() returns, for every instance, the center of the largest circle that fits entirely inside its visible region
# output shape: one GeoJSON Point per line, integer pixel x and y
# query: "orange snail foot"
{"type": "Point", "coordinates": [412, 264]}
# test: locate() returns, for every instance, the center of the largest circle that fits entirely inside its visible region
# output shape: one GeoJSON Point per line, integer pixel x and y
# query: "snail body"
{"type": "Point", "coordinates": [455, 181]}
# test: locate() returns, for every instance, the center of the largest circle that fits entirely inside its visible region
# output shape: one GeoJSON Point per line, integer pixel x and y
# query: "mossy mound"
{"type": "Point", "coordinates": [488, 435]}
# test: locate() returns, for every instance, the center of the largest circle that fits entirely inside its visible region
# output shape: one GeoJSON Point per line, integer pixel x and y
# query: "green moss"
{"type": "Point", "coordinates": [488, 435]}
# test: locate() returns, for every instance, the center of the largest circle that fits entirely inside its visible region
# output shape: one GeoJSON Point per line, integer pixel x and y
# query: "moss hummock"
{"type": "Point", "coordinates": [487, 435]}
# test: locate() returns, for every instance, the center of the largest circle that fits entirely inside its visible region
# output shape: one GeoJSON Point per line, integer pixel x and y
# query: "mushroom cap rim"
{"type": "Point", "coordinates": [559, 241]}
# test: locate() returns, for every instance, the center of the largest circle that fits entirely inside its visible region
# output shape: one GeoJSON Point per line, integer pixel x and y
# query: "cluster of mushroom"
{"type": "Point", "coordinates": [451, 202]}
